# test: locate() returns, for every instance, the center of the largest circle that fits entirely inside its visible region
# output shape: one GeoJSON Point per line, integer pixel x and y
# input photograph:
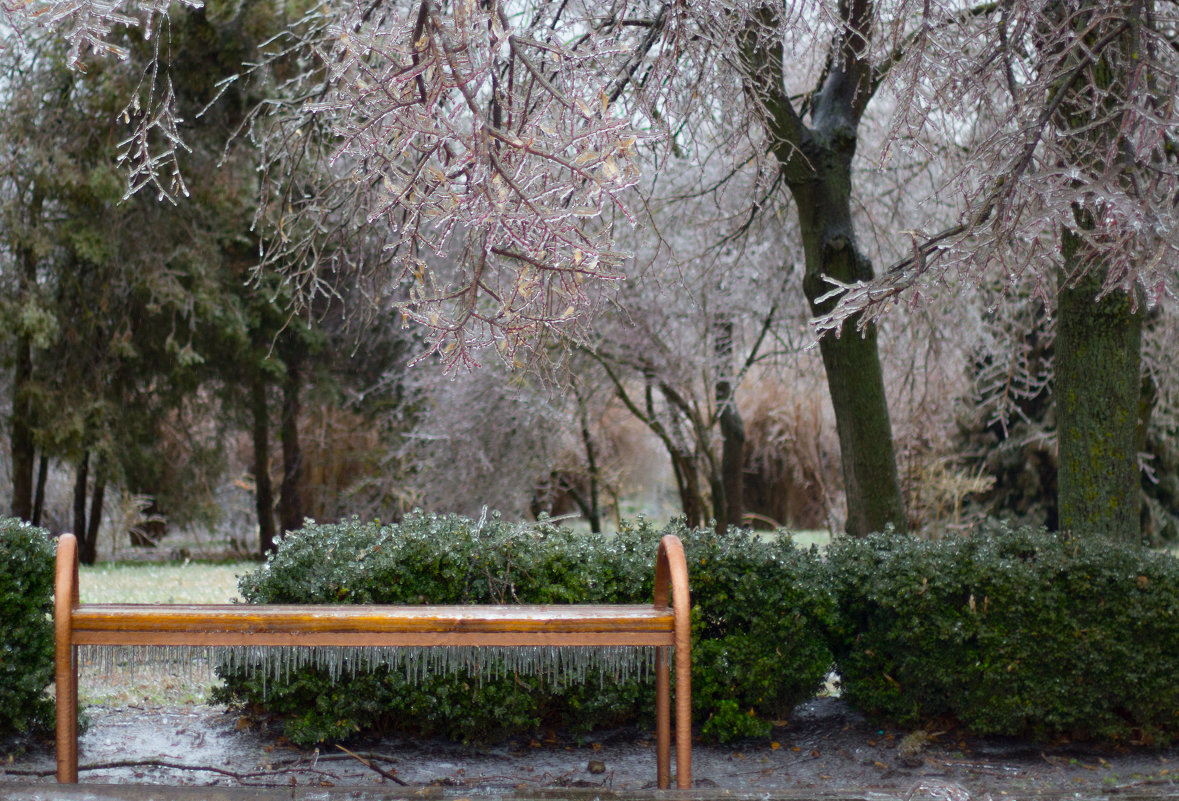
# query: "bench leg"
{"type": "Point", "coordinates": [662, 719]}
{"type": "Point", "coordinates": [683, 716]}
{"type": "Point", "coordinates": [66, 680]}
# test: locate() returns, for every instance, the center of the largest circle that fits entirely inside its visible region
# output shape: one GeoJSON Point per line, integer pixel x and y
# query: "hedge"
{"type": "Point", "coordinates": [26, 630]}
{"type": "Point", "coordinates": [1004, 632]}
{"type": "Point", "coordinates": [1010, 632]}
{"type": "Point", "coordinates": [758, 624]}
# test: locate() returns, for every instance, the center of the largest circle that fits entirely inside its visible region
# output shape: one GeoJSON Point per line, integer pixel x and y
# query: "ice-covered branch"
{"type": "Point", "coordinates": [485, 154]}
{"type": "Point", "coordinates": [150, 150]}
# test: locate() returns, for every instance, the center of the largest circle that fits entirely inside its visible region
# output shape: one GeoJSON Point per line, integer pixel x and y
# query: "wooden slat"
{"type": "Point", "coordinates": [387, 639]}
{"type": "Point", "coordinates": [135, 624]}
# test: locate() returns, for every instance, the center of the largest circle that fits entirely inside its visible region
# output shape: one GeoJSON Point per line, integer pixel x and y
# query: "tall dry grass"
{"type": "Point", "coordinates": [792, 469]}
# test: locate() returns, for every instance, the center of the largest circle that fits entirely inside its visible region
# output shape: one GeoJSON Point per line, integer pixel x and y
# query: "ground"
{"type": "Point", "coordinates": [823, 749]}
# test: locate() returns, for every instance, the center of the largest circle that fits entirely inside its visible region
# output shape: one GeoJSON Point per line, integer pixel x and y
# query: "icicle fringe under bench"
{"type": "Point", "coordinates": [557, 642]}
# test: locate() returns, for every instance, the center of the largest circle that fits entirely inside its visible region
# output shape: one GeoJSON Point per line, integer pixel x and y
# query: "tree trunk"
{"type": "Point", "coordinates": [263, 491]}
{"type": "Point", "coordinates": [683, 465]}
{"type": "Point", "coordinates": [89, 552]}
{"type": "Point", "coordinates": [86, 530]}
{"type": "Point", "coordinates": [1098, 379]}
{"type": "Point", "coordinates": [1097, 385]}
{"type": "Point", "coordinates": [591, 507]}
{"type": "Point", "coordinates": [290, 504]}
{"type": "Point", "coordinates": [851, 360]}
{"type": "Point", "coordinates": [815, 163]}
{"type": "Point", "coordinates": [729, 495]}
{"type": "Point", "coordinates": [81, 477]}
{"type": "Point", "coordinates": [39, 496]}
{"type": "Point", "coordinates": [22, 445]}
{"type": "Point", "coordinates": [23, 448]}
{"type": "Point", "coordinates": [688, 485]}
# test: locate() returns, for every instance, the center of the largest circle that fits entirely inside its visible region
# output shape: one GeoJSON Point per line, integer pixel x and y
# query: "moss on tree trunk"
{"type": "Point", "coordinates": [1098, 383]}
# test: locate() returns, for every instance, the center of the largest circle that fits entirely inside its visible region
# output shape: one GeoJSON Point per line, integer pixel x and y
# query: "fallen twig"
{"type": "Point", "coordinates": [348, 757]}
{"type": "Point", "coordinates": [1151, 782]}
{"type": "Point", "coordinates": [371, 766]}
{"type": "Point", "coordinates": [134, 763]}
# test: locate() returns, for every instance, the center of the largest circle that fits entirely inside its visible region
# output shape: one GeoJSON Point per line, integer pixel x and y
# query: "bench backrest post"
{"type": "Point", "coordinates": [671, 584]}
{"type": "Point", "coordinates": [65, 598]}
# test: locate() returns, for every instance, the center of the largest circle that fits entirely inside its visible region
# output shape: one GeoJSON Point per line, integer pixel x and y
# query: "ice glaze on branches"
{"type": "Point", "coordinates": [483, 151]}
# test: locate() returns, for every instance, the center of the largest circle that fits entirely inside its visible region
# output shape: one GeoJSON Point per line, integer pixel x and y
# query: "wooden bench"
{"type": "Point", "coordinates": [660, 624]}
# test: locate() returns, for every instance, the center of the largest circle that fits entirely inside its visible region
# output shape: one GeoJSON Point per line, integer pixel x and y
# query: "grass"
{"type": "Point", "coordinates": [136, 583]}
{"type": "Point", "coordinates": [191, 583]}
{"type": "Point", "coordinates": [818, 537]}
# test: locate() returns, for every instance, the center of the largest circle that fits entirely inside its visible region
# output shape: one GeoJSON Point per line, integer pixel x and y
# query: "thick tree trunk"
{"type": "Point", "coordinates": [290, 503]}
{"type": "Point", "coordinates": [856, 383]}
{"type": "Point", "coordinates": [815, 163]}
{"type": "Point", "coordinates": [1097, 386]}
{"type": "Point", "coordinates": [1098, 353]}
{"type": "Point", "coordinates": [851, 360]}
{"type": "Point", "coordinates": [263, 491]}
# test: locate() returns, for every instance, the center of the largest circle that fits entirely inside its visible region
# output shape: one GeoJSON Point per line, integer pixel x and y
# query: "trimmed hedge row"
{"type": "Point", "coordinates": [1010, 632]}
{"type": "Point", "coordinates": [26, 631]}
{"type": "Point", "coordinates": [757, 624]}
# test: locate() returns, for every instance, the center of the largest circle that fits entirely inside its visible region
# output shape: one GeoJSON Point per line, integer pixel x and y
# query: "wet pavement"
{"type": "Point", "coordinates": [824, 751]}
{"type": "Point", "coordinates": [15, 792]}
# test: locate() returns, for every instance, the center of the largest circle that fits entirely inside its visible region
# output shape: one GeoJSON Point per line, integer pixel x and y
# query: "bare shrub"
{"type": "Point", "coordinates": [643, 473]}
{"type": "Point", "coordinates": [937, 491]}
{"type": "Point", "coordinates": [343, 468]}
{"type": "Point", "coordinates": [792, 472]}
{"type": "Point", "coordinates": [128, 517]}
{"type": "Point", "coordinates": [575, 479]}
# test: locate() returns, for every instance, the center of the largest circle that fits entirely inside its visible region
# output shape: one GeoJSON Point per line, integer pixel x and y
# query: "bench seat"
{"type": "Point", "coordinates": [225, 624]}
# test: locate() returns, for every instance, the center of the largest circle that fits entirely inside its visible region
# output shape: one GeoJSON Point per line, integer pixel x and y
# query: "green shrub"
{"type": "Point", "coordinates": [26, 630]}
{"type": "Point", "coordinates": [760, 606]}
{"type": "Point", "coordinates": [753, 622]}
{"type": "Point", "coordinates": [1010, 632]}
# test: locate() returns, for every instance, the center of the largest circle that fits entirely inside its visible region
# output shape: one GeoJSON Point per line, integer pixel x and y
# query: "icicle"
{"type": "Point", "coordinates": [559, 667]}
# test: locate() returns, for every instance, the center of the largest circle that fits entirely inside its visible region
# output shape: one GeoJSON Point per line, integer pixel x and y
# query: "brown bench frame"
{"type": "Point", "coordinates": [661, 624]}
